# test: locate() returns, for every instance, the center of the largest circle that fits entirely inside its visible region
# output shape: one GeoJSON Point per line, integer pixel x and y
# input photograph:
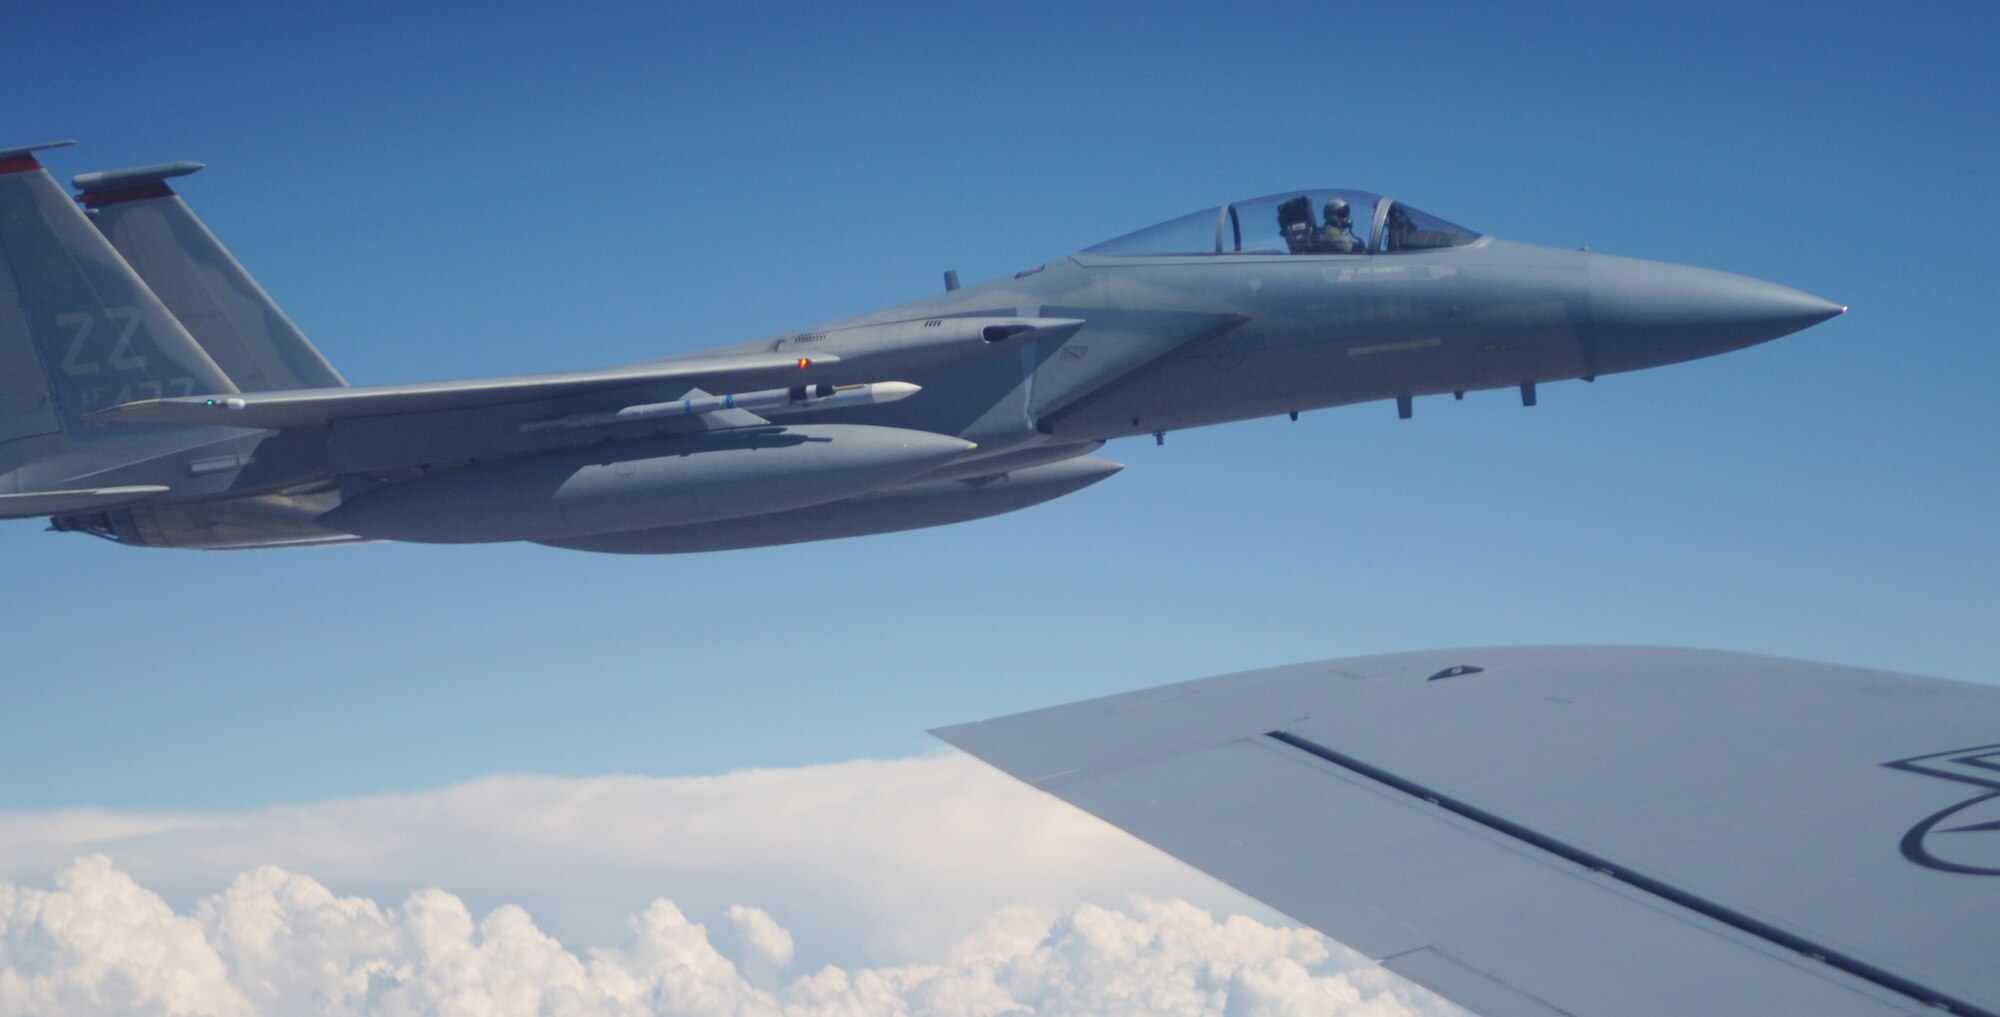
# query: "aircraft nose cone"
{"type": "Point", "coordinates": [1646, 313]}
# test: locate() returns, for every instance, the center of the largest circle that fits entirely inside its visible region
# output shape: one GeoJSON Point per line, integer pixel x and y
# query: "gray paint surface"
{"type": "Point", "coordinates": [1218, 316]}
{"type": "Point", "coordinates": [1576, 830]}
{"type": "Point", "coordinates": [922, 502]}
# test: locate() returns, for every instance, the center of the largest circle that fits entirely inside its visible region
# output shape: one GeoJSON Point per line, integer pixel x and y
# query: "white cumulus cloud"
{"type": "Point", "coordinates": [275, 942]}
{"type": "Point", "coordinates": [763, 944]}
{"type": "Point", "coordinates": [929, 886]}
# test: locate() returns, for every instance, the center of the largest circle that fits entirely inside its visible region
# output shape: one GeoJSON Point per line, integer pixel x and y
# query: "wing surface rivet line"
{"type": "Point", "coordinates": [1666, 891]}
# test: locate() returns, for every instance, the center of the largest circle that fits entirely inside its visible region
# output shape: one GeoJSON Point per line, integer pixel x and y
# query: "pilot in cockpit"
{"type": "Point", "coordinates": [1304, 234]}
{"type": "Point", "coordinates": [1337, 237]}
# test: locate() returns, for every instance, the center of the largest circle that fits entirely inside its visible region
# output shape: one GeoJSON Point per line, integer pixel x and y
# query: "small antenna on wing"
{"type": "Point", "coordinates": [950, 279]}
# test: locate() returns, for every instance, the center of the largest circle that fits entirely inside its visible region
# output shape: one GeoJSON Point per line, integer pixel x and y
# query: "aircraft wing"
{"type": "Point", "coordinates": [314, 407]}
{"type": "Point", "coordinates": [46, 503]}
{"type": "Point", "coordinates": [1576, 830]}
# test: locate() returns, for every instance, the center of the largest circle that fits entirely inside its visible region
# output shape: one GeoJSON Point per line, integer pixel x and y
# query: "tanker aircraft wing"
{"type": "Point", "coordinates": [1575, 830]}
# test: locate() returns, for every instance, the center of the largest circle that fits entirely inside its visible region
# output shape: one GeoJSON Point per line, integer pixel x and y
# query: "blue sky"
{"type": "Point", "coordinates": [484, 189]}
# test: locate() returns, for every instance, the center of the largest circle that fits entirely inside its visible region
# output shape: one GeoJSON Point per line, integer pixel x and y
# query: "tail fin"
{"type": "Point", "coordinates": [233, 319]}
{"type": "Point", "coordinates": [79, 331]}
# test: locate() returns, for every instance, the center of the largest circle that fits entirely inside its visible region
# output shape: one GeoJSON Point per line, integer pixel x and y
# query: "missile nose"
{"type": "Point", "coordinates": [1646, 313]}
{"type": "Point", "coordinates": [924, 451]}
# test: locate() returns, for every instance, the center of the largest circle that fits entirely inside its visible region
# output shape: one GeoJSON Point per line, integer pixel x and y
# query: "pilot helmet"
{"type": "Point", "coordinates": [1336, 211]}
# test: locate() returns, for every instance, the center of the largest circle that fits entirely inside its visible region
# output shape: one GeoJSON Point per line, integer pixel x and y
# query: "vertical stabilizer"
{"type": "Point", "coordinates": [201, 283]}
{"type": "Point", "coordinates": [79, 331]}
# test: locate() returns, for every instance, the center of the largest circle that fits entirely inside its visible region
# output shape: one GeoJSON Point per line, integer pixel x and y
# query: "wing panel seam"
{"type": "Point", "coordinates": [1666, 891]}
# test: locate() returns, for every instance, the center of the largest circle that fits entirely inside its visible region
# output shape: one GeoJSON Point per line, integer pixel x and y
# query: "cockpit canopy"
{"type": "Point", "coordinates": [1296, 222]}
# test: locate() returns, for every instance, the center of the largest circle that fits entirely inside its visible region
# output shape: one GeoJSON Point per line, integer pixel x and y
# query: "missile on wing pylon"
{"type": "Point", "coordinates": [578, 492]}
{"type": "Point", "coordinates": [770, 402]}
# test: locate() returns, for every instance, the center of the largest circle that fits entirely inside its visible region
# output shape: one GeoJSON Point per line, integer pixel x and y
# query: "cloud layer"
{"type": "Point", "coordinates": [274, 942]}
{"type": "Point", "coordinates": [864, 862]}
{"type": "Point", "coordinates": [922, 886]}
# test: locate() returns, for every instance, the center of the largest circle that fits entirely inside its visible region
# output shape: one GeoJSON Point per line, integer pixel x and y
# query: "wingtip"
{"type": "Point", "coordinates": [28, 150]}
{"type": "Point", "coordinates": [943, 733]}
{"type": "Point", "coordinates": [140, 177]}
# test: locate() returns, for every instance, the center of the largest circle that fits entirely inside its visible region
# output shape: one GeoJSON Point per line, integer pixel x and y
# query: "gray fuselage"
{"type": "Point", "coordinates": [975, 401]}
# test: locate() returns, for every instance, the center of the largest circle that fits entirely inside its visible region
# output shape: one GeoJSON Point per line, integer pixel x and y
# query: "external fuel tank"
{"type": "Point", "coordinates": [612, 487]}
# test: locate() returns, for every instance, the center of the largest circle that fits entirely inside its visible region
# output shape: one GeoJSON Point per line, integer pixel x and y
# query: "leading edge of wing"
{"type": "Point", "coordinates": [319, 406]}
{"type": "Point", "coordinates": [1578, 830]}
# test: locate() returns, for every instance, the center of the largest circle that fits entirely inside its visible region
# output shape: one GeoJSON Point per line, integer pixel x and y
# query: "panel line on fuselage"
{"type": "Point", "coordinates": [1409, 344]}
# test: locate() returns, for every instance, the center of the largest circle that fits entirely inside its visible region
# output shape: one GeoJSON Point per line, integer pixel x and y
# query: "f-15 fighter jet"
{"type": "Point", "coordinates": [153, 394]}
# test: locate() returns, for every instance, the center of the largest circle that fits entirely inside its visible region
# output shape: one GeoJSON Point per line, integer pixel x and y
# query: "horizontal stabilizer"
{"type": "Point", "coordinates": [54, 503]}
{"type": "Point", "coordinates": [318, 407]}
